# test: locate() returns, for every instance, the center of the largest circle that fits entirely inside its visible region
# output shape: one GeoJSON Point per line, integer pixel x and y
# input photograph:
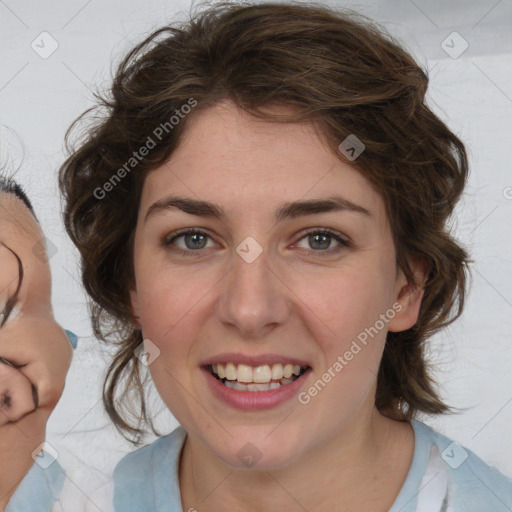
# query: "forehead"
{"type": "Point", "coordinates": [230, 157]}
{"type": "Point", "coordinates": [16, 220]}
{"type": "Point", "coordinates": [22, 235]}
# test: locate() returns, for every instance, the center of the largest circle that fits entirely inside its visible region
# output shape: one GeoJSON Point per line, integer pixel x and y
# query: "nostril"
{"type": "Point", "coordinates": [5, 400]}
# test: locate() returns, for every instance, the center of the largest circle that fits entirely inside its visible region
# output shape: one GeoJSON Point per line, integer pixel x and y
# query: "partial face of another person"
{"type": "Point", "coordinates": [251, 299]}
{"type": "Point", "coordinates": [35, 349]}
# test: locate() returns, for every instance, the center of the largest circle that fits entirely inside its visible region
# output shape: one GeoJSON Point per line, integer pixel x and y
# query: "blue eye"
{"type": "Point", "coordinates": [194, 240]}
{"type": "Point", "coordinates": [322, 239]}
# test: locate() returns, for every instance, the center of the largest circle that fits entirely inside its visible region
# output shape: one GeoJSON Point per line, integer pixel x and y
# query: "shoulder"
{"type": "Point", "coordinates": [40, 490]}
{"type": "Point", "coordinates": [149, 475]}
{"type": "Point", "coordinates": [150, 457]}
{"type": "Point", "coordinates": [472, 484]}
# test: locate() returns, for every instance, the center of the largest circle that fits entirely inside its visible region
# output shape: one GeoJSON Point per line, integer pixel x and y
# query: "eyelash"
{"type": "Point", "coordinates": [9, 306]}
{"type": "Point", "coordinates": [344, 243]}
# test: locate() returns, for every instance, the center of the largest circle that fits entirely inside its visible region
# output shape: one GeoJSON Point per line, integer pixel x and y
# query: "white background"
{"type": "Point", "coordinates": [40, 97]}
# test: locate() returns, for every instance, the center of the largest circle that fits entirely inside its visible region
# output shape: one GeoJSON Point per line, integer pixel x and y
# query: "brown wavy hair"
{"type": "Point", "coordinates": [335, 69]}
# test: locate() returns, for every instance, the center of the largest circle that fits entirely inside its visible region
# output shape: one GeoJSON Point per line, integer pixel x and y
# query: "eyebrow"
{"type": "Point", "coordinates": [289, 210]}
{"type": "Point", "coordinates": [13, 299]}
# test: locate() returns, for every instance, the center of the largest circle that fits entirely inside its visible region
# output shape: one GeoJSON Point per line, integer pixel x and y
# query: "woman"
{"type": "Point", "coordinates": [261, 214]}
{"type": "Point", "coordinates": [35, 355]}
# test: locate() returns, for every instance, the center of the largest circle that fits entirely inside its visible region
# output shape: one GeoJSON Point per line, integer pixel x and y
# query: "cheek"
{"type": "Point", "coordinates": [344, 317]}
{"type": "Point", "coordinates": [166, 298]}
{"type": "Point", "coordinates": [343, 303]}
{"type": "Point", "coordinates": [169, 310]}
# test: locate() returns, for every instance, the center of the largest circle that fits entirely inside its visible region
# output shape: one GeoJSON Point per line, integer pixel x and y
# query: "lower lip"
{"type": "Point", "coordinates": [255, 400]}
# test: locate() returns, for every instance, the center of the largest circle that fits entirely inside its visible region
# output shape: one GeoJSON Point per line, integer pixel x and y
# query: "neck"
{"type": "Point", "coordinates": [362, 467]}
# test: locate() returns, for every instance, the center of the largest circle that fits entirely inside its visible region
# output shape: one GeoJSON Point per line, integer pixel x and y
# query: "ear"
{"type": "Point", "coordinates": [134, 300]}
{"type": "Point", "coordinates": [408, 297]}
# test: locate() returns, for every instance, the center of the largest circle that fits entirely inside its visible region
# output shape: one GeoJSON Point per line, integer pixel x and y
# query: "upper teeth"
{"type": "Point", "coordinates": [259, 374]}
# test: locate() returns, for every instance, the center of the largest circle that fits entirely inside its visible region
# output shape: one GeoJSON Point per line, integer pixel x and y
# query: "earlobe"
{"type": "Point", "coordinates": [409, 297]}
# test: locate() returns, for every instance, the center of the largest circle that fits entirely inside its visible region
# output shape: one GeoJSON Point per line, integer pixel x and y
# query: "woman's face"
{"type": "Point", "coordinates": [30, 339]}
{"type": "Point", "coordinates": [260, 287]}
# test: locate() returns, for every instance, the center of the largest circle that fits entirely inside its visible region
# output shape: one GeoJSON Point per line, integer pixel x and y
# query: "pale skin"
{"type": "Point", "coordinates": [36, 347]}
{"type": "Point", "coordinates": [337, 452]}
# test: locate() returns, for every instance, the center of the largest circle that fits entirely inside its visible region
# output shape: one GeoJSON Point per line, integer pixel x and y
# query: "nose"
{"type": "Point", "coordinates": [253, 299]}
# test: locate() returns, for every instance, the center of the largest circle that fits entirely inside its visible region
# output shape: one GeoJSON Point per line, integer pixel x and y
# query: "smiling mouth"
{"type": "Point", "coordinates": [243, 377]}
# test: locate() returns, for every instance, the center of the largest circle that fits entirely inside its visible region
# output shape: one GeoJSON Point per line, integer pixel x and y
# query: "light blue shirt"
{"type": "Point", "coordinates": [443, 477]}
{"type": "Point", "coordinates": [41, 487]}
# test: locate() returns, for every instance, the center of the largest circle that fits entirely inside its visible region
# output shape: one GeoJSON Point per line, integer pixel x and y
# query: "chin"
{"type": "Point", "coordinates": [251, 450]}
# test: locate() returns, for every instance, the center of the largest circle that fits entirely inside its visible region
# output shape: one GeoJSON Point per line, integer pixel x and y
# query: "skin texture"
{"type": "Point", "coordinates": [35, 346]}
{"type": "Point", "coordinates": [298, 298]}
